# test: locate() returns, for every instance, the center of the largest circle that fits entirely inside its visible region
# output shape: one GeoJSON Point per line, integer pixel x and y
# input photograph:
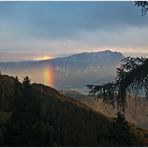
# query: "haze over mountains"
{"type": "Point", "coordinates": [74, 71]}
{"type": "Point", "coordinates": [136, 112]}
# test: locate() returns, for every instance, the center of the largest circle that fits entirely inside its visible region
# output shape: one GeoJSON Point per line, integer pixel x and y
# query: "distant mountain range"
{"type": "Point", "coordinates": [73, 71]}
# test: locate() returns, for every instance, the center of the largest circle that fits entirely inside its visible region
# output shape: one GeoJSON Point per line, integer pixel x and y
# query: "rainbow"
{"type": "Point", "coordinates": [48, 75]}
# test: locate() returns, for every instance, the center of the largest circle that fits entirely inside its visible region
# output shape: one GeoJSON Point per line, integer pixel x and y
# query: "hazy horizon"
{"type": "Point", "coordinates": [34, 31]}
{"type": "Point", "coordinates": [22, 57]}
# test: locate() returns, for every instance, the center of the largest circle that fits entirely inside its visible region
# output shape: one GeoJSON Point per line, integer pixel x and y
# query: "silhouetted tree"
{"type": "Point", "coordinates": [28, 126]}
{"type": "Point", "coordinates": [119, 133]}
{"type": "Point", "coordinates": [132, 79]}
{"type": "Point", "coordinates": [17, 130]}
{"type": "Point", "coordinates": [26, 84]}
{"type": "Point", "coordinates": [13, 133]}
{"type": "Point", "coordinates": [143, 5]}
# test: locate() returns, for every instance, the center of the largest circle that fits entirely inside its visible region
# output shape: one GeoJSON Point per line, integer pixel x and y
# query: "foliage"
{"type": "Point", "coordinates": [132, 79]}
{"type": "Point", "coordinates": [41, 116]}
{"type": "Point", "coordinates": [119, 132]}
{"type": "Point", "coordinates": [143, 5]}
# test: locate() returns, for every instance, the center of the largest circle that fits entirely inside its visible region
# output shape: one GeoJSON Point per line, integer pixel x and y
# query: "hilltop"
{"type": "Point", "coordinates": [37, 115]}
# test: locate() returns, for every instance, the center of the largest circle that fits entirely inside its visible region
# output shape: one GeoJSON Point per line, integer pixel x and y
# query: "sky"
{"type": "Point", "coordinates": [41, 30]}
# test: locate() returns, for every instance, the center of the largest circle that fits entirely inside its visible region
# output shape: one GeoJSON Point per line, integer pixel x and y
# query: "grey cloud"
{"type": "Point", "coordinates": [67, 19]}
{"type": "Point", "coordinates": [70, 27]}
{"type": "Point", "coordinates": [132, 38]}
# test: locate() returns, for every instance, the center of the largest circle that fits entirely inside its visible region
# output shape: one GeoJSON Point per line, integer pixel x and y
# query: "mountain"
{"type": "Point", "coordinates": [136, 112]}
{"type": "Point", "coordinates": [37, 115]}
{"type": "Point", "coordinates": [102, 57]}
{"type": "Point", "coordinates": [69, 72]}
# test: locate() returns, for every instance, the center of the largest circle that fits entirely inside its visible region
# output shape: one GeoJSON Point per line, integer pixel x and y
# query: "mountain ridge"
{"type": "Point", "coordinates": [63, 120]}
{"type": "Point", "coordinates": [69, 56]}
{"type": "Point", "coordinates": [72, 71]}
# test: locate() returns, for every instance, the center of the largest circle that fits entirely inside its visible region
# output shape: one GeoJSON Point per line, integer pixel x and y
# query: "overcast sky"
{"type": "Point", "coordinates": [33, 29]}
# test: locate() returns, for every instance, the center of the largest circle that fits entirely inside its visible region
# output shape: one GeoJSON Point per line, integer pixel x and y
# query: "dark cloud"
{"type": "Point", "coordinates": [65, 19]}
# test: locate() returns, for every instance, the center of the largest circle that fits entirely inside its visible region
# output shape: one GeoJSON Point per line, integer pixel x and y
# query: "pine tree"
{"type": "Point", "coordinates": [18, 128]}
{"type": "Point", "coordinates": [119, 133]}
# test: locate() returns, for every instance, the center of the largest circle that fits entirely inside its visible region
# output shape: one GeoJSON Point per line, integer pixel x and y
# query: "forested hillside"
{"type": "Point", "coordinates": [37, 115]}
{"type": "Point", "coordinates": [136, 111]}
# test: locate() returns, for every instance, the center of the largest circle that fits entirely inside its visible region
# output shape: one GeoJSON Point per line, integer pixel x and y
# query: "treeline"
{"type": "Point", "coordinates": [35, 115]}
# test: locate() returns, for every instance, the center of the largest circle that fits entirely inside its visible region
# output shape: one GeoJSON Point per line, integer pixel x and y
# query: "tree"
{"type": "Point", "coordinates": [28, 124]}
{"type": "Point", "coordinates": [13, 133]}
{"type": "Point", "coordinates": [26, 83]}
{"type": "Point", "coordinates": [132, 78]}
{"type": "Point", "coordinates": [143, 5]}
{"type": "Point", "coordinates": [120, 134]}
{"type": "Point", "coordinates": [17, 129]}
